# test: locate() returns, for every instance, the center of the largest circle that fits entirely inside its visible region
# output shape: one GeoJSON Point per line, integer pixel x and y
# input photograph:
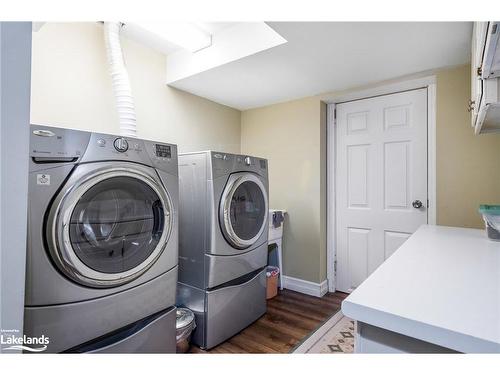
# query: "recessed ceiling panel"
{"type": "Point", "coordinates": [321, 57]}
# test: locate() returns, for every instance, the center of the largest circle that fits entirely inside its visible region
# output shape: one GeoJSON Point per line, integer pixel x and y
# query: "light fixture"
{"type": "Point", "coordinates": [183, 34]}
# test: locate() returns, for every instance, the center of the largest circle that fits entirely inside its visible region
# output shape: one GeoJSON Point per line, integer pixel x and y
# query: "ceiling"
{"type": "Point", "coordinates": [321, 57]}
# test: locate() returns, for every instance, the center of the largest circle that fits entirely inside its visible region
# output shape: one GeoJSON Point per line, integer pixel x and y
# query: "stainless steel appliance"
{"type": "Point", "coordinates": [102, 242]}
{"type": "Point", "coordinates": [223, 213]}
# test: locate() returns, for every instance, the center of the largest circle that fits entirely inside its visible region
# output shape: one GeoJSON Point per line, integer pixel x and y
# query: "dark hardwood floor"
{"type": "Point", "coordinates": [290, 317]}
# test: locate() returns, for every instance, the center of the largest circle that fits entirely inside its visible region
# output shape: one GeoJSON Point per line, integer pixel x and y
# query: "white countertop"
{"type": "Point", "coordinates": [441, 286]}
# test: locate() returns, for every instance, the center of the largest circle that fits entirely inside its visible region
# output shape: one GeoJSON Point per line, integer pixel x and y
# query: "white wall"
{"type": "Point", "coordinates": [15, 60]}
{"type": "Point", "coordinates": [71, 88]}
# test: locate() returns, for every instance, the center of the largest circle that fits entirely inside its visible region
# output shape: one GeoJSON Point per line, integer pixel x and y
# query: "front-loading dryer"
{"type": "Point", "coordinates": [223, 213]}
{"type": "Point", "coordinates": [102, 242]}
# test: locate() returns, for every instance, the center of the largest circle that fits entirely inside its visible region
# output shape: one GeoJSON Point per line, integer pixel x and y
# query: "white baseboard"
{"type": "Point", "coordinates": [306, 287]}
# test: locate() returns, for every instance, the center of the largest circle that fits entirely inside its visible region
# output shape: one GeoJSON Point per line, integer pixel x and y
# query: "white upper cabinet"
{"type": "Point", "coordinates": [491, 60]}
{"type": "Point", "coordinates": [485, 85]}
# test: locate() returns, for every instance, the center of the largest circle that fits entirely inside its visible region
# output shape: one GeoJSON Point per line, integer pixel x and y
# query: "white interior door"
{"type": "Point", "coordinates": [381, 174]}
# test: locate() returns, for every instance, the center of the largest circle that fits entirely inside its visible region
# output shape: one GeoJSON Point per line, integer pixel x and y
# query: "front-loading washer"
{"type": "Point", "coordinates": [223, 214]}
{"type": "Point", "coordinates": [102, 247]}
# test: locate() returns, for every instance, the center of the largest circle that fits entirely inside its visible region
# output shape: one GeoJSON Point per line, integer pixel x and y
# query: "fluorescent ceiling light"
{"type": "Point", "coordinates": [183, 34]}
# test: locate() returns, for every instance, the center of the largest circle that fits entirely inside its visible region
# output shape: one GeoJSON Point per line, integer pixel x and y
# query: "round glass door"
{"type": "Point", "coordinates": [116, 225]}
{"type": "Point", "coordinates": [244, 211]}
{"type": "Point", "coordinates": [110, 226]}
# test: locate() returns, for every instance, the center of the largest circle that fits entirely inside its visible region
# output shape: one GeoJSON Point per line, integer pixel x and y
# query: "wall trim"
{"type": "Point", "coordinates": [382, 89]}
{"type": "Point", "coordinates": [305, 287]}
{"type": "Point", "coordinates": [431, 154]}
{"type": "Point", "coordinates": [330, 198]}
{"type": "Point", "coordinates": [429, 83]}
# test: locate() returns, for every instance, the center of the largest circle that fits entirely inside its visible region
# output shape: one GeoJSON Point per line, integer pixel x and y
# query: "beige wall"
{"type": "Point", "coordinates": [71, 88]}
{"type": "Point", "coordinates": [292, 137]}
{"type": "Point", "coordinates": [468, 166]}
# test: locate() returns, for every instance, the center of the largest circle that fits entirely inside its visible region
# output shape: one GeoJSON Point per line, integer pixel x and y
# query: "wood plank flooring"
{"type": "Point", "coordinates": [290, 317]}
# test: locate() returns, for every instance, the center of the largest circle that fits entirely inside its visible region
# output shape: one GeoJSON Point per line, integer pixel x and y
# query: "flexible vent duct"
{"type": "Point", "coordinates": [121, 82]}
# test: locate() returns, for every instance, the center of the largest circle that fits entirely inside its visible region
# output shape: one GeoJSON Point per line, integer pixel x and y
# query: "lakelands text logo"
{"type": "Point", "coordinates": [11, 340]}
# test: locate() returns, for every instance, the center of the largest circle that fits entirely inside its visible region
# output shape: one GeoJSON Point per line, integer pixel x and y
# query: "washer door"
{"type": "Point", "coordinates": [243, 210]}
{"type": "Point", "coordinates": [110, 227]}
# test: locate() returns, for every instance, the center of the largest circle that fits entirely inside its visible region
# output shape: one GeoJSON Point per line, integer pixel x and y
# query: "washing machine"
{"type": "Point", "coordinates": [223, 215]}
{"type": "Point", "coordinates": [102, 248]}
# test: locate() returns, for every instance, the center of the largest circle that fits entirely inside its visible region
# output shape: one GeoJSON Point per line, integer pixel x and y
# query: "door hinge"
{"type": "Point", "coordinates": [335, 266]}
{"type": "Point", "coordinates": [427, 203]}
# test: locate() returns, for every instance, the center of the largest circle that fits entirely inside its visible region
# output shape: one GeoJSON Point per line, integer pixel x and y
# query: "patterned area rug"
{"type": "Point", "coordinates": [338, 339]}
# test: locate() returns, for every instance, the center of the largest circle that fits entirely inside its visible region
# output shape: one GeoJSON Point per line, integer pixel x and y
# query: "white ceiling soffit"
{"type": "Point", "coordinates": [144, 36]}
{"type": "Point", "coordinates": [319, 57]}
{"type": "Point", "coordinates": [214, 27]}
{"type": "Point", "coordinates": [168, 37]}
{"type": "Point", "coordinates": [229, 44]}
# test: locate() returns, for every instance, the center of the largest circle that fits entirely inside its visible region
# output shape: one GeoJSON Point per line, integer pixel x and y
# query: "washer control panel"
{"type": "Point", "coordinates": [67, 145]}
{"type": "Point", "coordinates": [163, 151]}
{"type": "Point", "coordinates": [121, 144]}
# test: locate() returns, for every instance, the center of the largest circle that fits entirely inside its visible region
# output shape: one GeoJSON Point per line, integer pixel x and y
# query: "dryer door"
{"type": "Point", "coordinates": [110, 226]}
{"type": "Point", "coordinates": [243, 210]}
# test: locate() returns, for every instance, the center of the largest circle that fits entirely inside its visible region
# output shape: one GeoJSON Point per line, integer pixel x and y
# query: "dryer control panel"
{"type": "Point", "coordinates": [224, 163]}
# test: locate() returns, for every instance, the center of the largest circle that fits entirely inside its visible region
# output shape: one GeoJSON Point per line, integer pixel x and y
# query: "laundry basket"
{"type": "Point", "coordinates": [184, 326]}
{"type": "Point", "coordinates": [272, 281]}
{"type": "Point", "coordinates": [491, 217]}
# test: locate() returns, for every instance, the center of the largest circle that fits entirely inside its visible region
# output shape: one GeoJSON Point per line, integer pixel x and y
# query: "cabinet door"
{"type": "Point", "coordinates": [478, 43]}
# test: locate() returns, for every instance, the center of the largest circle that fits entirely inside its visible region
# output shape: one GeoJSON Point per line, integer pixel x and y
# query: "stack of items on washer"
{"type": "Point", "coordinates": [102, 260]}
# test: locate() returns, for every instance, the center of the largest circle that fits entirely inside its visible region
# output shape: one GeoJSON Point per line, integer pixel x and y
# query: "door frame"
{"type": "Point", "coordinates": [429, 83]}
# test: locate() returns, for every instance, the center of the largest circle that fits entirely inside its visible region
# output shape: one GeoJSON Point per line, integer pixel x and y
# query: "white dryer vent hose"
{"type": "Point", "coordinates": [120, 79]}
